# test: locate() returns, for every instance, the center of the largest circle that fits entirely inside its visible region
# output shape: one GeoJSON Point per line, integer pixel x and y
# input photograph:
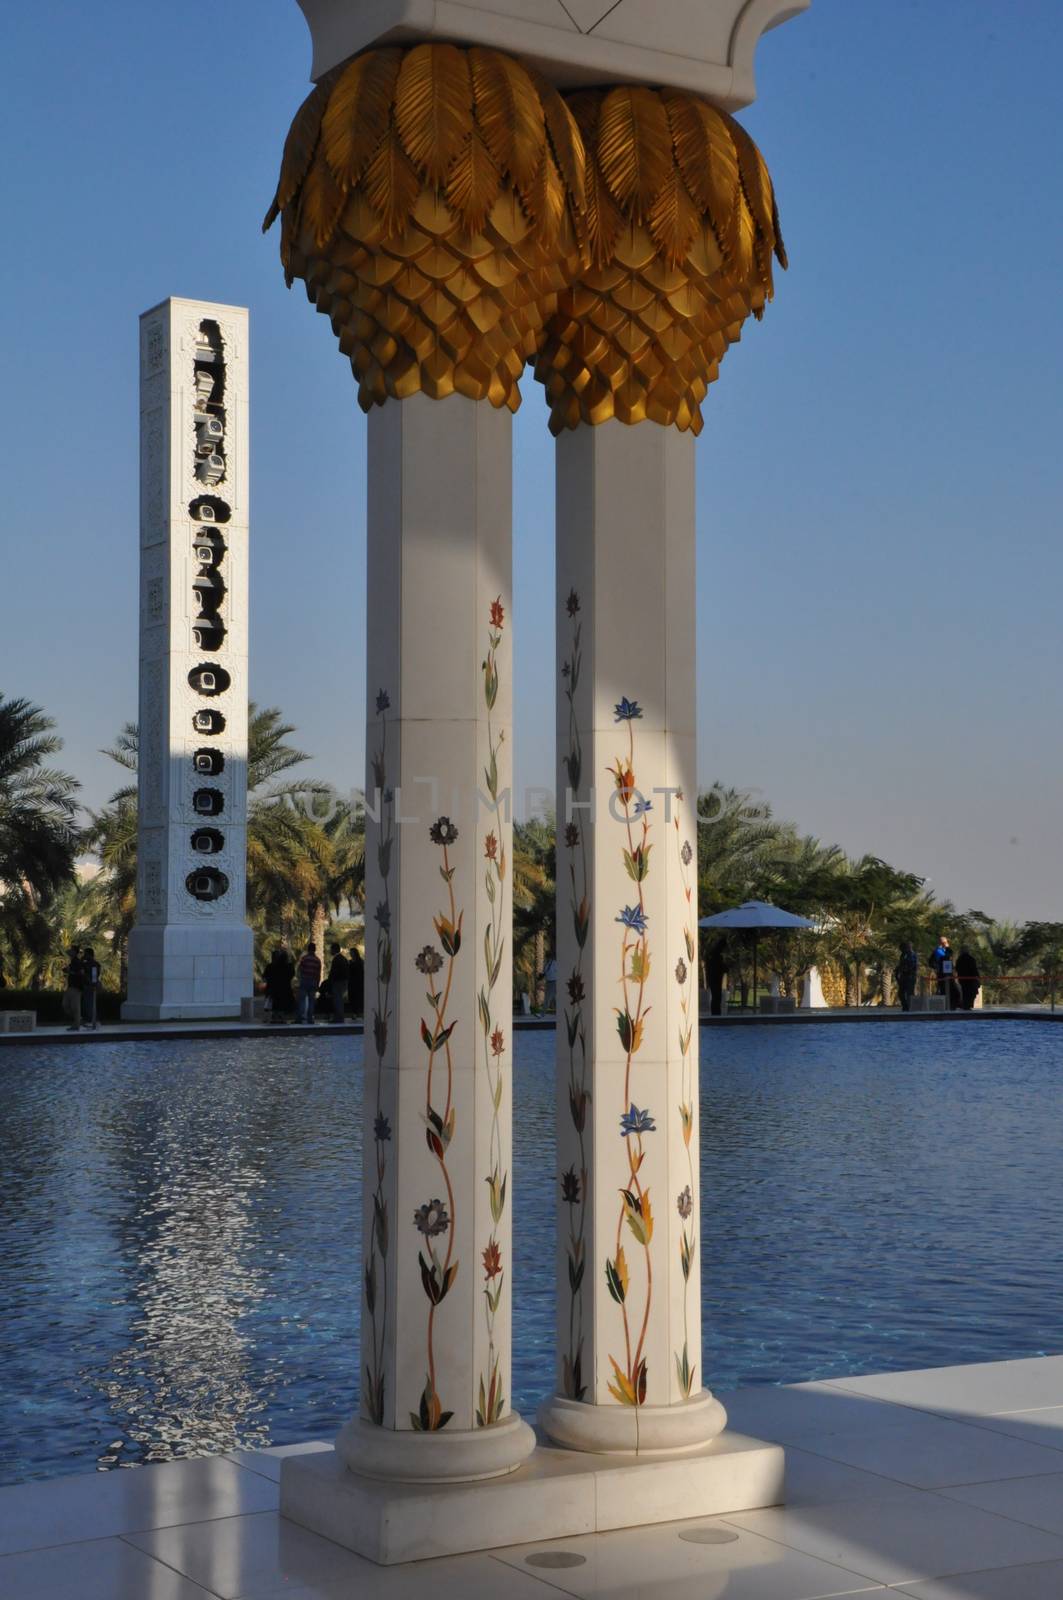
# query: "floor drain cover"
{"type": "Point", "coordinates": [708, 1535]}
{"type": "Point", "coordinates": [555, 1558]}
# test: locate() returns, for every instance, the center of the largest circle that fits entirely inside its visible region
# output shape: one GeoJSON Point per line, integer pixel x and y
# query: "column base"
{"type": "Point", "coordinates": [445, 1457]}
{"type": "Point", "coordinates": [651, 1433]}
{"type": "Point", "coordinates": [555, 1494]}
{"type": "Point", "coordinates": [132, 1011]}
{"type": "Point", "coordinates": [188, 972]}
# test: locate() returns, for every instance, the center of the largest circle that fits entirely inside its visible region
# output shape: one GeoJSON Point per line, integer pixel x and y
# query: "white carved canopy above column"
{"type": "Point", "coordinates": [706, 46]}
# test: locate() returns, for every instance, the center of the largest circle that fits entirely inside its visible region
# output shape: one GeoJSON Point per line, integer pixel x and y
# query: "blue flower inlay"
{"type": "Point", "coordinates": [636, 1121]}
{"type": "Point", "coordinates": [633, 917]}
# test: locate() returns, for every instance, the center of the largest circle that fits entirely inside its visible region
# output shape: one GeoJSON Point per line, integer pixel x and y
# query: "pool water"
{"type": "Point", "coordinates": [180, 1225]}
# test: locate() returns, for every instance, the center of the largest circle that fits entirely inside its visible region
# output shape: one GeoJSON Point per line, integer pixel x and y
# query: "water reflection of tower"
{"type": "Point", "coordinates": [210, 1161]}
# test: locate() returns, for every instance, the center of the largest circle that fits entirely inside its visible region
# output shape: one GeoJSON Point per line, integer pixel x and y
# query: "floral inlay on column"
{"type": "Point", "coordinates": [492, 1401]}
{"type": "Point", "coordinates": [629, 1379]}
{"type": "Point", "coordinates": [376, 1280]}
{"type": "Point", "coordinates": [435, 1219]}
{"type": "Point", "coordinates": [573, 1182]}
{"type": "Point", "coordinates": [685, 971]}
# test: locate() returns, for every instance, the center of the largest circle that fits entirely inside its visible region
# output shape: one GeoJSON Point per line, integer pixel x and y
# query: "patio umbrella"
{"type": "Point", "coordinates": [755, 914]}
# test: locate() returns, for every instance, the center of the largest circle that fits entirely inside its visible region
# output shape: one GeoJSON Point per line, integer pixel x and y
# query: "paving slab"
{"type": "Point", "coordinates": [899, 1541]}
{"type": "Point", "coordinates": [1042, 1582]}
{"type": "Point", "coordinates": [985, 1388]}
{"type": "Point", "coordinates": [100, 1569]}
{"type": "Point", "coordinates": [662, 1561]}
{"type": "Point", "coordinates": [99, 1504]}
{"type": "Point", "coordinates": [259, 1557]}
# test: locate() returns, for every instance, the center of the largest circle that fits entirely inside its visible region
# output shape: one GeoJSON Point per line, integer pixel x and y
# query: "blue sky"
{"type": "Point", "coordinates": [880, 474]}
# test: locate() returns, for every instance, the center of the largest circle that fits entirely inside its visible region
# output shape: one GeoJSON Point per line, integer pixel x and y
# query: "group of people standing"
{"type": "Point", "coordinates": [303, 988]}
{"type": "Point", "coordinates": [958, 979]}
{"type": "Point", "coordinates": [82, 989]}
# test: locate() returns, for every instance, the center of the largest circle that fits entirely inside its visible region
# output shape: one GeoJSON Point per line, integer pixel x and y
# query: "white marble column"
{"type": "Point", "coordinates": [629, 1373]}
{"type": "Point", "coordinates": [435, 1328]}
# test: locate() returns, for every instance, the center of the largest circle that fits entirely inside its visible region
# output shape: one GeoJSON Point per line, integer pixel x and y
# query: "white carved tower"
{"type": "Point", "coordinates": [191, 952]}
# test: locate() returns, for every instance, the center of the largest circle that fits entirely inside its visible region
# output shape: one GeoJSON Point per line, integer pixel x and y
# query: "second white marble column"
{"type": "Point", "coordinates": [629, 1373]}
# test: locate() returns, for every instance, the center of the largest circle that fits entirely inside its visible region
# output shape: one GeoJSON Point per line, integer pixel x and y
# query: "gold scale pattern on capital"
{"type": "Point", "coordinates": [456, 218]}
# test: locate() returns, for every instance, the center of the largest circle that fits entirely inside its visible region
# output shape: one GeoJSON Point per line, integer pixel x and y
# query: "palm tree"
{"type": "Point", "coordinates": [534, 902]}
{"type": "Point", "coordinates": [869, 900]}
{"type": "Point", "coordinates": [737, 839]}
{"type": "Point", "coordinates": [38, 836]}
{"type": "Point", "coordinates": [331, 869]}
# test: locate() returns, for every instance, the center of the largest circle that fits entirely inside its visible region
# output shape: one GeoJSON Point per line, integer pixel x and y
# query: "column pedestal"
{"type": "Point", "coordinates": [556, 1494]}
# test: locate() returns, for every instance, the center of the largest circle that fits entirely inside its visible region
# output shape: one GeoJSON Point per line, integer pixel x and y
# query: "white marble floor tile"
{"type": "Point", "coordinates": [1043, 1426]}
{"type": "Point", "coordinates": [656, 1564]}
{"type": "Point", "coordinates": [816, 1480]}
{"type": "Point", "coordinates": [237, 1555]}
{"type": "Point", "coordinates": [456, 1578]}
{"type": "Point", "coordinates": [260, 1557]}
{"type": "Point", "coordinates": [788, 1414]}
{"type": "Point", "coordinates": [934, 1452]}
{"type": "Point", "coordinates": [901, 1541]}
{"type": "Point", "coordinates": [102, 1569]}
{"type": "Point", "coordinates": [1038, 1501]}
{"type": "Point", "coordinates": [981, 1389]}
{"type": "Point", "coordinates": [128, 1500]}
{"type": "Point", "coordinates": [1041, 1582]}
{"type": "Point", "coordinates": [268, 1461]}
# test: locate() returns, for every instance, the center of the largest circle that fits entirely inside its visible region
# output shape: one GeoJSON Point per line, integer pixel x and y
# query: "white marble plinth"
{"type": "Point", "coordinates": [180, 972]}
{"type": "Point", "coordinates": [556, 1494]}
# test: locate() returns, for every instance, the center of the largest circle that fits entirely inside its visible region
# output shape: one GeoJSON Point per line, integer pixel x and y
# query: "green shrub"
{"type": "Point", "coordinates": [48, 1004]}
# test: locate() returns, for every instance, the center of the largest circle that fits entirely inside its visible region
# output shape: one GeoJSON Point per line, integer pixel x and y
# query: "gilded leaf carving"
{"type": "Point", "coordinates": [634, 148]}
{"type": "Point", "coordinates": [433, 106]}
{"type": "Point", "coordinates": [509, 114]}
{"type": "Point", "coordinates": [358, 113]}
{"type": "Point", "coordinates": [680, 224]}
{"type": "Point", "coordinates": [456, 217]}
{"type": "Point", "coordinates": [432, 218]}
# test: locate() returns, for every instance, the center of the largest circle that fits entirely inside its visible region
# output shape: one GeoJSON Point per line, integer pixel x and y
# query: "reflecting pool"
{"type": "Point", "coordinates": [180, 1224]}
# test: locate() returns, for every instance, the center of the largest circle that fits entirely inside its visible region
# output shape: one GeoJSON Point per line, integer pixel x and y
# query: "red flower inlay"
{"type": "Point", "coordinates": [492, 1260]}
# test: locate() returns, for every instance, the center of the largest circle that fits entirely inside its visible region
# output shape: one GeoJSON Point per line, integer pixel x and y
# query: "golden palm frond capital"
{"type": "Point", "coordinates": [431, 198]}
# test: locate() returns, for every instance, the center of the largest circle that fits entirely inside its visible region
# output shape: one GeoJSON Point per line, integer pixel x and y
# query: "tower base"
{"type": "Point", "coordinates": [555, 1494]}
{"type": "Point", "coordinates": [188, 972]}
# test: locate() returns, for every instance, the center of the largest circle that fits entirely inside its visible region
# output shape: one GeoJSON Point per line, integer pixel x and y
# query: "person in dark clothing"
{"type": "Point", "coordinates": [309, 979]}
{"type": "Point", "coordinates": [278, 976]}
{"type": "Point", "coordinates": [906, 973]}
{"type": "Point", "coordinates": [355, 983]}
{"type": "Point", "coordinates": [75, 978]}
{"type": "Point", "coordinates": [714, 973]}
{"type": "Point", "coordinates": [970, 979]}
{"type": "Point", "coordinates": [942, 962]}
{"type": "Point", "coordinates": [90, 987]}
{"type": "Point", "coordinates": [338, 973]}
